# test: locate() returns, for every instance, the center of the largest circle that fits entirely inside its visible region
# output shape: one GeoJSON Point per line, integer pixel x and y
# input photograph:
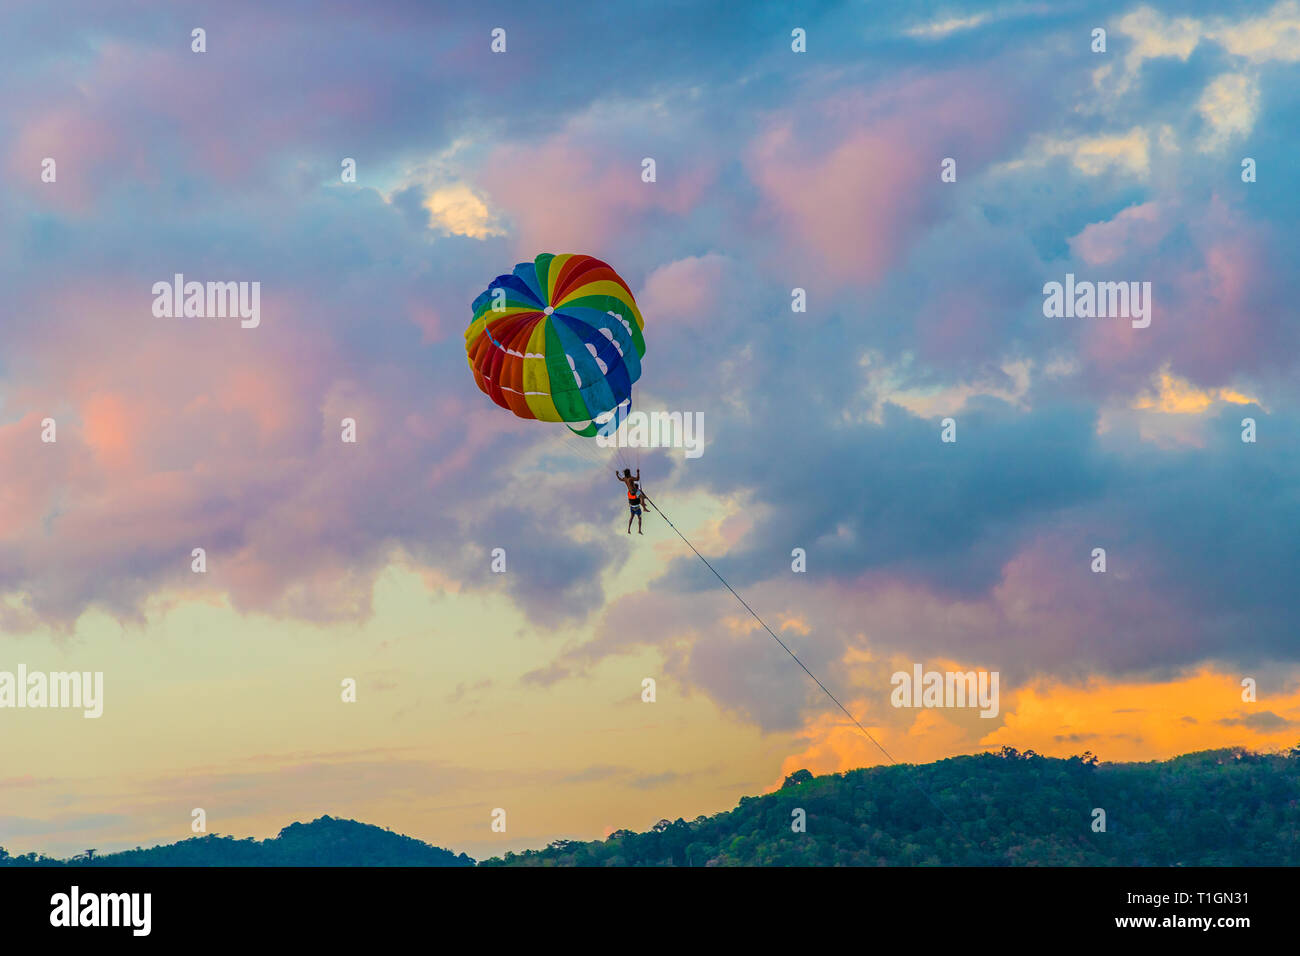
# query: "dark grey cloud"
{"type": "Point", "coordinates": [1263, 721]}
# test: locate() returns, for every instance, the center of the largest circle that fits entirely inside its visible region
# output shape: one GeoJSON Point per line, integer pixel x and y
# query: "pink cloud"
{"type": "Point", "coordinates": [1135, 229]}
{"type": "Point", "coordinates": [855, 179]}
{"type": "Point", "coordinates": [1216, 311]}
{"type": "Point", "coordinates": [85, 148]}
{"type": "Point", "coordinates": [31, 468]}
{"type": "Point", "coordinates": [183, 433]}
{"type": "Point", "coordinates": [134, 111]}
{"type": "Point", "coordinates": [573, 193]}
{"type": "Point", "coordinates": [685, 290]}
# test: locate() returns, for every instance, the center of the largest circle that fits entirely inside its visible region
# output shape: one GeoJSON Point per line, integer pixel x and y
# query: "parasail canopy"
{"type": "Point", "coordinates": [558, 340]}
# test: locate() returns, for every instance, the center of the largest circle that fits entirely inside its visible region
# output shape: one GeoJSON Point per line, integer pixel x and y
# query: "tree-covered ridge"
{"type": "Point", "coordinates": [1215, 808]}
{"type": "Point", "coordinates": [323, 842]}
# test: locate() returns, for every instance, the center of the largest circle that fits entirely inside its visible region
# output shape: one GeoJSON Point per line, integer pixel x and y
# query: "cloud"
{"type": "Point", "coordinates": [1094, 155]}
{"type": "Point", "coordinates": [1133, 230]}
{"type": "Point", "coordinates": [1229, 107]}
{"type": "Point", "coordinates": [593, 773]}
{"type": "Point", "coordinates": [683, 291]}
{"type": "Point", "coordinates": [1272, 36]}
{"type": "Point", "coordinates": [942, 28]}
{"type": "Point", "coordinates": [1116, 720]}
{"type": "Point", "coordinates": [858, 176]}
{"type": "Point", "coordinates": [577, 188]}
{"type": "Point", "coordinates": [1176, 396]}
{"type": "Point", "coordinates": [1153, 35]}
{"type": "Point", "coordinates": [656, 781]}
{"type": "Point", "coordinates": [1264, 722]}
{"type": "Point", "coordinates": [1217, 288]}
{"type": "Point", "coordinates": [460, 212]}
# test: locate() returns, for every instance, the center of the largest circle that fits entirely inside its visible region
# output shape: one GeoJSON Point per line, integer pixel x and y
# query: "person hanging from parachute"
{"type": "Point", "coordinates": [560, 340]}
{"type": "Point", "coordinates": [636, 499]}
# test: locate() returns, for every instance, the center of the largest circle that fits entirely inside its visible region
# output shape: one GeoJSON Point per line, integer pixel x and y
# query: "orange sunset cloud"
{"type": "Point", "coordinates": [1116, 720]}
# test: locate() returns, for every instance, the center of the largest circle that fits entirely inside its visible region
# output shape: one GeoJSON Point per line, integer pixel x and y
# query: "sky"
{"type": "Point", "coordinates": [775, 170]}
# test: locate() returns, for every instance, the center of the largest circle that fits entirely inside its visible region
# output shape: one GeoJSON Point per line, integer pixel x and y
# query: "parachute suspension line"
{"type": "Point", "coordinates": [571, 444]}
{"type": "Point", "coordinates": [634, 452]}
{"type": "Point", "coordinates": [624, 457]}
{"type": "Point", "coordinates": [620, 459]}
{"type": "Point", "coordinates": [795, 658]}
{"type": "Point", "coordinates": [636, 448]}
{"type": "Point", "coordinates": [621, 453]}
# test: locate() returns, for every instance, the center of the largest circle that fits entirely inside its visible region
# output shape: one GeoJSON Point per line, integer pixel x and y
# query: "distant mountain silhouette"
{"type": "Point", "coordinates": [1227, 807]}
{"type": "Point", "coordinates": [323, 842]}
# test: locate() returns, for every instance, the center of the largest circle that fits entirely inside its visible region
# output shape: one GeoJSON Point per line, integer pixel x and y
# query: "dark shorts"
{"type": "Point", "coordinates": [636, 509]}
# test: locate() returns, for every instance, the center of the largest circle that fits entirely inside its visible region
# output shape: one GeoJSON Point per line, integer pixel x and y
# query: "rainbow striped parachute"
{"type": "Point", "coordinates": [558, 340]}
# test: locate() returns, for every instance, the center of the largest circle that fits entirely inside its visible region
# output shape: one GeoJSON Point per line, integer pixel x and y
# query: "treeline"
{"type": "Point", "coordinates": [1215, 808]}
{"type": "Point", "coordinates": [323, 842]}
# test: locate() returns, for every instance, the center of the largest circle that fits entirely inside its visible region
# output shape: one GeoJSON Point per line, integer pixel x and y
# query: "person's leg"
{"type": "Point", "coordinates": [638, 522]}
{"type": "Point", "coordinates": [629, 523]}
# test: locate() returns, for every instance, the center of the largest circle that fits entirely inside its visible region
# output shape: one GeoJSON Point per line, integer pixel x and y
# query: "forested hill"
{"type": "Point", "coordinates": [323, 842]}
{"type": "Point", "coordinates": [1215, 808]}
